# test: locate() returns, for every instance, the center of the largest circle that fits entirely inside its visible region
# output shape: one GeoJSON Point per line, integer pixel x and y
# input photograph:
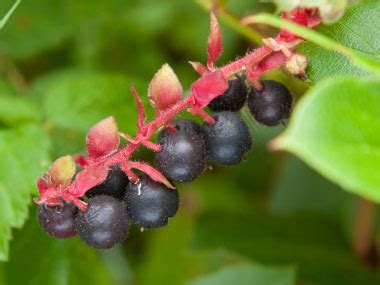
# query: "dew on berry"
{"type": "Point", "coordinates": [183, 156]}
{"type": "Point", "coordinates": [58, 221]}
{"type": "Point", "coordinates": [232, 99]}
{"type": "Point", "coordinates": [271, 105]}
{"type": "Point", "coordinates": [104, 223]}
{"type": "Point", "coordinates": [150, 203]}
{"type": "Point", "coordinates": [228, 139]}
{"type": "Point", "coordinates": [114, 185]}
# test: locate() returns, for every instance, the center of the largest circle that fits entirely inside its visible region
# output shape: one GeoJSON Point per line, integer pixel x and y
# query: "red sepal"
{"type": "Point", "coordinates": [103, 139]}
{"type": "Point", "coordinates": [207, 88]}
{"type": "Point", "coordinates": [215, 45]}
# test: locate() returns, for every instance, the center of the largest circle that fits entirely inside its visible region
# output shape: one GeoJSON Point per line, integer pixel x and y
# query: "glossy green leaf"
{"type": "Point", "coordinates": [23, 157]}
{"type": "Point", "coordinates": [36, 258]}
{"type": "Point", "coordinates": [247, 274]}
{"type": "Point", "coordinates": [357, 30]}
{"type": "Point", "coordinates": [335, 129]}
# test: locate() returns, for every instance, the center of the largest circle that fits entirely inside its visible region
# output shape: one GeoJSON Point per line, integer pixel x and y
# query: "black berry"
{"type": "Point", "coordinates": [271, 105]}
{"type": "Point", "coordinates": [228, 139]}
{"type": "Point", "coordinates": [185, 125]}
{"type": "Point", "coordinates": [231, 100]}
{"type": "Point", "coordinates": [183, 156]}
{"type": "Point", "coordinates": [150, 203]}
{"type": "Point", "coordinates": [58, 221]}
{"type": "Point", "coordinates": [104, 223]}
{"type": "Point", "coordinates": [114, 185]}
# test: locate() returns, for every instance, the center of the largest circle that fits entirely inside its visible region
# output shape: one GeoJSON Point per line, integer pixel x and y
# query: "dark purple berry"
{"type": "Point", "coordinates": [150, 203]}
{"type": "Point", "coordinates": [271, 105]}
{"type": "Point", "coordinates": [183, 156]}
{"type": "Point", "coordinates": [104, 223]}
{"type": "Point", "coordinates": [114, 185]}
{"type": "Point", "coordinates": [228, 139]}
{"type": "Point", "coordinates": [231, 100]}
{"type": "Point", "coordinates": [185, 125]}
{"type": "Point", "coordinates": [58, 221]}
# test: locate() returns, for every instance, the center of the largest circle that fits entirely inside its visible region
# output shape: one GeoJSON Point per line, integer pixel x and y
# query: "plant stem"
{"type": "Point", "coordinates": [363, 236]}
{"type": "Point", "coordinates": [8, 14]}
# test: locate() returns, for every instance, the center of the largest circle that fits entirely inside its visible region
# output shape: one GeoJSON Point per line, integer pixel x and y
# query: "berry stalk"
{"type": "Point", "coordinates": [165, 93]}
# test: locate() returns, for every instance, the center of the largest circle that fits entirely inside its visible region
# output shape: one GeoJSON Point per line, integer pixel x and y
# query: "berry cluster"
{"type": "Point", "coordinates": [105, 197]}
{"type": "Point", "coordinates": [186, 148]}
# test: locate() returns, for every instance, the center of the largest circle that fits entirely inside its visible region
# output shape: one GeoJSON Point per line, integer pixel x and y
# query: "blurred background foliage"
{"type": "Point", "coordinates": [65, 65]}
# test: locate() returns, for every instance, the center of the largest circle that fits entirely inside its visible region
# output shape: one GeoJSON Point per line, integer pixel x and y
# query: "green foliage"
{"type": "Point", "coordinates": [357, 30]}
{"type": "Point", "coordinates": [335, 129]}
{"type": "Point", "coordinates": [19, 147]}
{"type": "Point", "coordinates": [247, 274]}
{"type": "Point", "coordinates": [271, 220]}
{"type": "Point", "coordinates": [50, 261]}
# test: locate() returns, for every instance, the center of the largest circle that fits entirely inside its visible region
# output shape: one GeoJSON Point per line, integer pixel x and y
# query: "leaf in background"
{"type": "Point", "coordinates": [34, 27]}
{"type": "Point", "coordinates": [37, 258]}
{"type": "Point", "coordinates": [297, 183]}
{"type": "Point", "coordinates": [335, 129]}
{"type": "Point", "coordinates": [165, 259]}
{"type": "Point", "coordinates": [76, 100]}
{"type": "Point", "coordinates": [315, 245]}
{"type": "Point", "coordinates": [15, 110]}
{"type": "Point", "coordinates": [9, 13]}
{"type": "Point", "coordinates": [247, 274]}
{"type": "Point", "coordinates": [357, 30]}
{"type": "Point", "coordinates": [23, 157]}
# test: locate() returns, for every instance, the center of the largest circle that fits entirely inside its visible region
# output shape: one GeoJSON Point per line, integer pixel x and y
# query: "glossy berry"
{"type": "Point", "coordinates": [231, 100]}
{"type": "Point", "coordinates": [114, 185]}
{"type": "Point", "coordinates": [185, 125]}
{"type": "Point", "coordinates": [58, 221]}
{"type": "Point", "coordinates": [150, 203]}
{"type": "Point", "coordinates": [104, 223]}
{"type": "Point", "coordinates": [228, 139]}
{"type": "Point", "coordinates": [271, 105]}
{"type": "Point", "coordinates": [183, 156]}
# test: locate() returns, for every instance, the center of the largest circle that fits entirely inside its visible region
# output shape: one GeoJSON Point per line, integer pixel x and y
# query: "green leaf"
{"type": "Point", "coordinates": [24, 156]}
{"type": "Point", "coordinates": [78, 100]}
{"type": "Point", "coordinates": [335, 129]}
{"type": "Point", "coordinates": [360, 50]}
{"type": "Point", "coordinates": [16, 110]}
{"type": "Point", "coordinates": [36, 26]}
{"type": "Point", "coordinates": [247, 274]}
{"type": "Point", "coordinates": [37, 258]}
{"type": "Point", "coordinates": [356, 30]}
{"type": "Point", "coordinates": [297, 183]}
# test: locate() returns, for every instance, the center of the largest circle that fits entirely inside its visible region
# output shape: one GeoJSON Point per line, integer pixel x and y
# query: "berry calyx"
{"type": "Point", "coordinates": [271, 105]}
{"type": "Point", "coordinates": [58, 221]}
{"type": "Point", "coordinates": [185, 125]}
{"type": "Point", "coordinates": [114, 185]}
{"type": "Point", "coordinates": [232, 99]}
{"type": "Point", "coordinates": [183, 156]}
{"type": "Point", "coordinates": [228, 139]}
{"type": "Point", "coordinates": [104, 223]}
{"type": "Point", "coordinates": [150, 204]}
